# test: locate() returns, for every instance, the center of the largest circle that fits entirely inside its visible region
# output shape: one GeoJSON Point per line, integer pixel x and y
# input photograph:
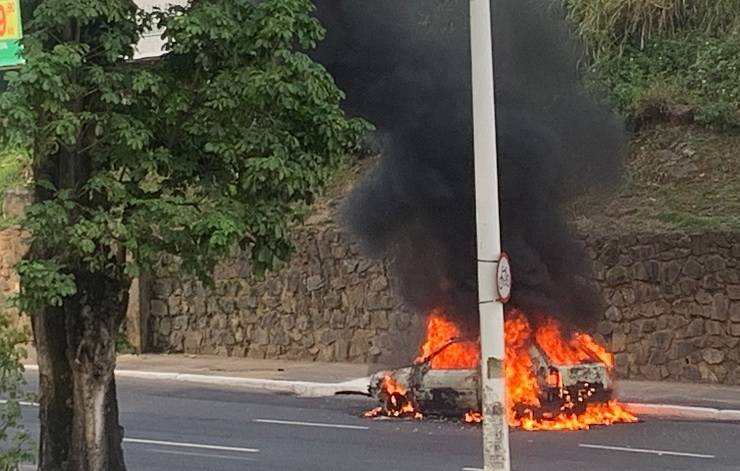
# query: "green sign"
{"type": "Point", "coordinates": [10, 33]}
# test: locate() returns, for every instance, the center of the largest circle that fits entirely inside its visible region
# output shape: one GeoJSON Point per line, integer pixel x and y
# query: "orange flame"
{"type": "Point", "coordinates": [473, 417]}
{"type": "Point", "coordinates": [444, 354]}
{"type": "Point", "coordinates": [596, 414]}
{"type": "Point", "coordinates": [523, 392]}
{"type": "Point", "coordinates": [581, 348]}
{"type": "Point", "coordinates": [521, 384]}
{"type": "Point", "coordinates": [398, 403]}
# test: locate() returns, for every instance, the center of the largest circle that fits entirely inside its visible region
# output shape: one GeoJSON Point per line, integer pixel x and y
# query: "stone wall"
{"type": "Point", "coordinates": [673, 305]}
{"type": "Point", "coordinates": [13, 246]}
{"type": "Point", "coordinates": [327, 304]}
{"type": "Point", "coordinates": [12, 249]}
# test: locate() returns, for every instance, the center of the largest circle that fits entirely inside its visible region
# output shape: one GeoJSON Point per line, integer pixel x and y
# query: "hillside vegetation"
{"type": "Point", "coordinates": [673, 68]}
{"type": "Point", "coordinates": [678, 178]}
{"type": "Point", "coordinates": [675, 59]}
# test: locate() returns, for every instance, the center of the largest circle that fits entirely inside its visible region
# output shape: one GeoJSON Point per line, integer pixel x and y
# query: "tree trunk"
{"type": "Point", "coordinates": [76, 352]}
{"type": "Point", "coordinates": [55, 387]}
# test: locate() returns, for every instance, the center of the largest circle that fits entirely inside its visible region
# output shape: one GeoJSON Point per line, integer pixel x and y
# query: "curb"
{"type": "Point", "coordinates": [684, 412]}
{"type": "Point", "coordinates": [297, 388]}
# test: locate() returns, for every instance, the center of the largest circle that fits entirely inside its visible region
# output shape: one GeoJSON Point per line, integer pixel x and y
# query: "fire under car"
{"type": "Point", "coordinates": [456, 392]}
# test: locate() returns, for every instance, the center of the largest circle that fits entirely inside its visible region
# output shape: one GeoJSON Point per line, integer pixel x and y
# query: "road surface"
{"type": "Point", "coordinates": [173, 426]}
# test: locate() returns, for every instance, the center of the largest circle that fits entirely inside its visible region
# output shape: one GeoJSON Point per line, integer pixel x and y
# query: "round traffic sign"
{"type": "Point", "coordinates": [503, 278]}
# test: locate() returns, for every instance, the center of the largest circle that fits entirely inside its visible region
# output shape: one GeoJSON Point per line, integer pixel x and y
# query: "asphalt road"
{"type": "Point", "coordinates": [187, 427]}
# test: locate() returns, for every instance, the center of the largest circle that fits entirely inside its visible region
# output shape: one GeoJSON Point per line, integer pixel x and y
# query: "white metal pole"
{"type": "Point", "coordinates": [495, 428]}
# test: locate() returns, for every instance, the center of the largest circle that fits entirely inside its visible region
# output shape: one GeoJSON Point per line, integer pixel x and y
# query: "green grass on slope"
{"type": "Point", "coordinates": [678, 178]}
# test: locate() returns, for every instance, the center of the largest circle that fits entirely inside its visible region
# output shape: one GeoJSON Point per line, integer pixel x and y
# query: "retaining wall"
{"type": "Point", "coordinates": [673, 305]}
{"type": "Point", "coordinates": [327, 304]}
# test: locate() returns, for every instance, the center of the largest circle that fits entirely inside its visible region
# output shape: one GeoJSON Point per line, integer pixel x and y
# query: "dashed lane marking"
{"type": "Point", "coordinates": [310, 424]}
{"type": "Point", "coordinates": [201, 455]}
{"type": "Point", "coordinates": [646, 451]}
{"type": "Point", "coordinates": [202, 446]}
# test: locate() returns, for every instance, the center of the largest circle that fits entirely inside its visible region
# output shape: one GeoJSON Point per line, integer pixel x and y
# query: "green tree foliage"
{"type": "Point", "coordinates": [222, 142]}
{"type": "Point", "coordinates": [218, 143]}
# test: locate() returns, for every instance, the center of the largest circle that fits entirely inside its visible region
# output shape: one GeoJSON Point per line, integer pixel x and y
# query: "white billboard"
{"type": "Point", "coordinates": [151, 43]}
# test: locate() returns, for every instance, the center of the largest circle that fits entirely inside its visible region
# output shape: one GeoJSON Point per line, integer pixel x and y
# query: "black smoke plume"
{"type": "Point", "coordinates": [405, 66]}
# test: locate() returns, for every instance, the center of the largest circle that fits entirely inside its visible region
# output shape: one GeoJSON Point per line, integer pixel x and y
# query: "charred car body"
{"type": "Point", "coordinates": [455, 392]}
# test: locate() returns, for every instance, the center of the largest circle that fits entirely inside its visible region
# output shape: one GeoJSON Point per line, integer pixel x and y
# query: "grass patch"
{"type": "Point", "coordinates": [678, 178]}
{"type": "Point", "coordinates": [665, 59]}
{"type": "Point", "coordinates": [12, 165]}
{"type": "Point", "coordinates": [694, 77]}
{"type": "Point", "coordinates": [679, 218]}
{"type": "Point", "coordinates": [610, 25]}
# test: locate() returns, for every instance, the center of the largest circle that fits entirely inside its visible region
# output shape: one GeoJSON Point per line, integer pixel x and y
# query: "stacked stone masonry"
{"type": "Point", "coordinates": [327, 304]}
{"type": "Point", "coordinates": [673, 306]}
{"type": "Point", "coordinates": [12, 249]}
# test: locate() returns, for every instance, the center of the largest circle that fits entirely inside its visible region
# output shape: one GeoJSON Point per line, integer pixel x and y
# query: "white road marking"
{"type": "Point", "coordinates": [311, 424]}
{"type": "Point", "coordinates": [646, 451]}
{"type": "Point", "coordinates": [472, 469]}
{"type": "Point", "coordinates": [201, 446]}
{"type": "Point", "coordinates": [204, 455]}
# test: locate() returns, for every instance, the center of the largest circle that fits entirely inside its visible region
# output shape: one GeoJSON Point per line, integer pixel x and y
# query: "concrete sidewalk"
{"type": "Point", "coordinates": [280, 370]}
{"type": "Point", "coordinates": [308, 379]}
{"type": "Point", "coordinates": [683, 394]}
{"type": "Point", "coordinates": [699, 395]}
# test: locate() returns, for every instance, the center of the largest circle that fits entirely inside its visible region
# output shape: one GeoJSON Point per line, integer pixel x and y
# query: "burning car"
{"type": "Point", "coordinates": [553, 381]}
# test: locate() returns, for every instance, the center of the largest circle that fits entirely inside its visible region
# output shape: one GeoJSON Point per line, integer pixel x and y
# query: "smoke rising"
{"type": "Point", "coordinates": [405, 66]}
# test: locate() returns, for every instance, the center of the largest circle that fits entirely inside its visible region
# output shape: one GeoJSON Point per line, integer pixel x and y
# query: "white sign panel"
{"type": "Point", "coordinates": [151, 42]}
{"type": "Point", "coordinates": [504, 279]}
